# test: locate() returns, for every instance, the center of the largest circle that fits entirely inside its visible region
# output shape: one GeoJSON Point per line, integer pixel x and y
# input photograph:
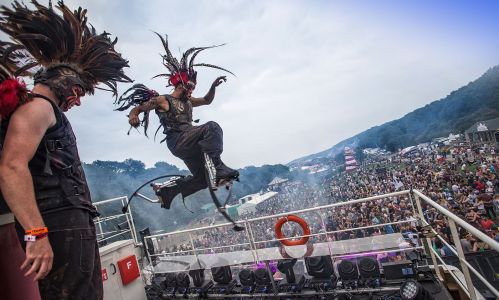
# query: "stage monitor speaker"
{"type": "Point", "coordinates": [398, 271]}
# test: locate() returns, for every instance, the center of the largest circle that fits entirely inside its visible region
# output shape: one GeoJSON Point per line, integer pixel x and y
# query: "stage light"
{"type": "Point", "coordinates": [170, 280]}
{"type": "Point", "coordinates": [321, 269]}
{"type": "Point", "coordinates": [222, 275]}
{"type": "Point", "coordinates": [183, 282]}
{"type": "Point", "coordinates": [292, 283]}
{"type": "Point", "coordinates": [286, 267]}
{"type": "Point", "coordinates": [368, 268]}
{"type": "Point", "coordinates": [348, 270]}
{"type": "Point", "coordinates": [197, 277]}
{"type": "Point", "coordinates": [319, 266]}
{"type": "Point", "coordinates": [413, 290]}
{"type": "Point", "coordinates": [263, 282]}
{"type": "Point", "coordinates": [262, 277]}
{"type": "Point", "coordinates": [170, 284]}
{"type": "Point", "coordinates": [247, 277]}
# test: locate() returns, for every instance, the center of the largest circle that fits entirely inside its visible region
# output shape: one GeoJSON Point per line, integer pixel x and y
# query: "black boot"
{"type": "Point", "coordinates": [166, 194]}
{"type": "Point", "coordinates": [224, 172]}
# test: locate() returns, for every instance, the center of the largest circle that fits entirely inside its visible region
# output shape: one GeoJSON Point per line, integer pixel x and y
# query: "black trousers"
{"type": "Point", "coordinates": [76, 270]}
{"type": "Point", "coordinates": [189, 145]}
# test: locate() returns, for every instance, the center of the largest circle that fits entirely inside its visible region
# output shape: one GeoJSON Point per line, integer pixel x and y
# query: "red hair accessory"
{"type": "Point", "coordinates": [10, 94]}
{"type": "Point", "coordinates": [178, 78]}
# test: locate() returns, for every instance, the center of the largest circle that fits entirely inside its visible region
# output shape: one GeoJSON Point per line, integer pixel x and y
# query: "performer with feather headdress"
{"type": "Point", "coordinates": [185, 141]}
{"type": "Point", "coordinates": [13, 284]}
{"type": "Point", "coordinates": [41, 177]}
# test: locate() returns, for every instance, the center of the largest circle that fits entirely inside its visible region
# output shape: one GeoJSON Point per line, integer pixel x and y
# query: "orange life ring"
{"type": "Point", "coordinates": [296, 219]}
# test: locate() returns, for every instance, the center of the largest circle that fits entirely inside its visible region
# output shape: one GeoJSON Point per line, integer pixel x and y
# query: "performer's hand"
{"type": "Point", "coordinates": [39, 258]}
{"type": "Point", "coordinates": [219, 80]}
{"type": "Point", "coordinates": [134, 120]}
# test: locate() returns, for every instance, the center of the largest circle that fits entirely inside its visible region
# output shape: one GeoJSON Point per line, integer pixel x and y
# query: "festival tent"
{"type": "Point", "coordinates": [248, 203]}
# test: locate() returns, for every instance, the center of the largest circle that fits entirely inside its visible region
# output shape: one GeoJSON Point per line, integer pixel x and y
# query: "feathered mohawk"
{"type": "Point", "coordinates": [183, 71]}
{"type": "Point", "coordinates": [70, 51]}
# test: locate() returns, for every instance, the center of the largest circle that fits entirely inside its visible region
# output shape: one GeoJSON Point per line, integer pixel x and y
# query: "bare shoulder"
{"type": "Point", "coordinates": [37, 112]}
{"type": "Point", "coordinates": [160, 102]}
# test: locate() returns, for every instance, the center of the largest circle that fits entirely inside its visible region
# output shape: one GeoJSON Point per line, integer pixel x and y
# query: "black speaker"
{"type": "Point", "coordinates": [222, 275]}
{"type": "Point", "coordinates": [319, 266]}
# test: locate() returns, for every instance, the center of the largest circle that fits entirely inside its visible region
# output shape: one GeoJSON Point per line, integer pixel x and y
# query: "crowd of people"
{"type": "Point", "coordinates": [460, 178]}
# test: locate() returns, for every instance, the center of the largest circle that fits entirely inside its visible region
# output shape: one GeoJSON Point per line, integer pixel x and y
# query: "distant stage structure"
{"type": "Point", "coordinates": [350, 162]}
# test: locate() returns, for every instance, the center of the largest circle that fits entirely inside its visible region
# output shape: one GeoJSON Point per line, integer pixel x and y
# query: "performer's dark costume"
{"type": "Point", "coordinates": [185, 141]}
{"type": "Point", "coordinates": [13, 283]}
{"type": "Point", "coordinates": [71, 54]}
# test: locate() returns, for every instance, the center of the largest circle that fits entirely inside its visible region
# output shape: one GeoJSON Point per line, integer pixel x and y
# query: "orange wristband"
{"type": "Point", "coordinates": [37, 231]}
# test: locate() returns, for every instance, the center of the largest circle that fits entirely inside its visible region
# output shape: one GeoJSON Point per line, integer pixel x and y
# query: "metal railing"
{"type": "Point", "coordinates": [452, 219]}
{"type": "Point", "coordinates": [415, 198]}
{"type": "Point", "coordinates": [106, 230]}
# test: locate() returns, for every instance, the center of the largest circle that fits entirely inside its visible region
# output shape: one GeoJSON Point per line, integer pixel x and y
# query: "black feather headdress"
{"type": "Point", "coordinates": [70, 51]}
{"type": "Point", "coordinates": [183, 71]}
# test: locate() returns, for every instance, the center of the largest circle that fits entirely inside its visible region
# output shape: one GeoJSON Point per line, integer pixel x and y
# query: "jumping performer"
{"type": "Point", "coordinates": [41, 177]}
{"type": "Point", "coordinates": [186, 141]}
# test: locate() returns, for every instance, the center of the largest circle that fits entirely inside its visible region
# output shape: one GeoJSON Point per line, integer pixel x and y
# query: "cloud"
{"type": "Point", "coordinates": [309, 74]}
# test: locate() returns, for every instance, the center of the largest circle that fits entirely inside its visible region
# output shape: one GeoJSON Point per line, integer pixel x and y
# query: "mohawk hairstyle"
{"type": "Point", "coordinates": [183, 71]}
{"type": "Point", "coordinates": [63, 44]}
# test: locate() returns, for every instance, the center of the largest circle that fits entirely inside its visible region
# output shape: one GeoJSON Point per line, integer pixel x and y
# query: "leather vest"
{"type": "Point", "coordinates": [58, 176]}
{"type": "Point", "coordinates": [178, 118]}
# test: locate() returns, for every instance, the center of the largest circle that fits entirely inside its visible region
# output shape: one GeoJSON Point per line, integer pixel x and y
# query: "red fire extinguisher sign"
{"type": "Point", "coordinates": [129, 269]}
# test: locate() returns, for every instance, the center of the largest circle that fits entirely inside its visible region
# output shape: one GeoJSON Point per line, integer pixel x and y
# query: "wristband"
{"type": "Point", "coordinates": [37, 231]}
{"type": "Point", "coordinates": [34, 238]}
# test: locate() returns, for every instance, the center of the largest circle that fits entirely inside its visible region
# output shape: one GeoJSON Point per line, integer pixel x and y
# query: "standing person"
{"type": "Point", "coordinates": [184, 140]}
{"type": "Point", "coordinates": [41, 177]}
{"type": "Point", "coordinates": [13, 284]}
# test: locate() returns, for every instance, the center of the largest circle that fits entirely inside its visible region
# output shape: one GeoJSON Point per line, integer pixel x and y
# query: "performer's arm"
{"type": "Point", "coordinates": [27, 127]}
{"type": "Point", "coordinates": [208, 98]}
{"type": "Point", "coordinates": [158, 102]}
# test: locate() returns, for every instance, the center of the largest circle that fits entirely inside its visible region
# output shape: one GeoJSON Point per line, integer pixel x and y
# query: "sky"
{"type": "Point", "coordinates": [308, 73]}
